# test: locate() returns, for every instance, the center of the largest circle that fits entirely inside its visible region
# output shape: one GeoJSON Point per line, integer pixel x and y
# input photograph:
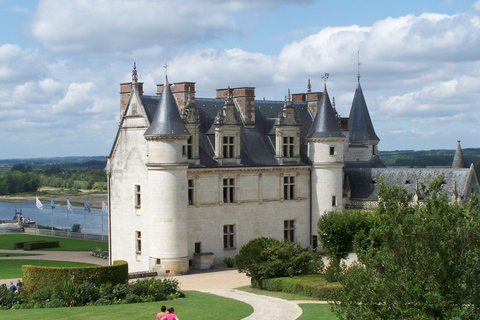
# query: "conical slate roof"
{"type": "Point", "coordinates": [325, 124]}
{"type": "Point", "coordinates": [458, 160]}
{"type": "Point", "coordinates": [359, 123]}
{"type": "Point", "coordinates": [167, 120]}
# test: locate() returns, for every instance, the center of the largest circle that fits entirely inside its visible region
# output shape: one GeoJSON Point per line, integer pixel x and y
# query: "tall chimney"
{"type": "Point", "coordinates": [244, 99]}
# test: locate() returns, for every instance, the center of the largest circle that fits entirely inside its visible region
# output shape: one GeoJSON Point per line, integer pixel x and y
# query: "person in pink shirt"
{"type": "Point", "coordinates": [163, 313]}
{"type": "Point", "coordinates": [170, 315]}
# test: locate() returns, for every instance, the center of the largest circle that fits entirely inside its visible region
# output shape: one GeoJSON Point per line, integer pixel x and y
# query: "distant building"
{"type": "Point", "coordinates": [194, 177]}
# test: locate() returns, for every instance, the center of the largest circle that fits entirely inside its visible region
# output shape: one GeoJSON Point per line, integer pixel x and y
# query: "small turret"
{"type": "Point", "coordinates": [167, 120]}
{"type": "Point", "coordinates": [458, 160]}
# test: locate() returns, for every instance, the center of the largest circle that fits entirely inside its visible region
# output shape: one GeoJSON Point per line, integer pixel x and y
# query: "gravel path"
{"type": "Point", "coordinates": [263, 307]}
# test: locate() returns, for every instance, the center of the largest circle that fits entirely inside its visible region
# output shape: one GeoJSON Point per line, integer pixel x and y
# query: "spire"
{"type": "Point", "coordinates": [167, 120]}
{"type": "Point", "coordinates": [359, 123]}
{"type": "Point", "coordinates": [309, 86]}
{"type": "Point", "coordinates": [324, 125]}
{"type": "Point", "coordinates": [458, 160]}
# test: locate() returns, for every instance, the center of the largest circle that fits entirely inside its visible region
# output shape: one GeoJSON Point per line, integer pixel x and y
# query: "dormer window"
{"type": "Point", "coordinates": [288, 146]}
{"type": "Point", "coordinates": [228, 147]}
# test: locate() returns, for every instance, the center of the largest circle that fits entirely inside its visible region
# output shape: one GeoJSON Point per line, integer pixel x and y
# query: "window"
{"type": "Point", "coordinates": [138, 241]}
{"type": "Point", "coordinates": [138, 197]}
{"type": "Point", "coordinates": [228, 190]}
{"type": "Point", "coordinates": [289, 230]}
{"type": "Point", "coordinates": [229, 236]}
{"type": "Point", "coordinates": [190, 148]}
{"type": "Point", "coordinates": [334, 201]}
{"type": "Point", "coordinates": [198, 247]}
{"type": "Point", "coordinates": [191, 191]}
{"type": "Point", "coordinates": [288, 146]}
{"type": "Point", "coordinates": [288, 188]}
{"type": "Point", "coordinates": [332, 151]}
{"type": "Point", "coordinates": [228, 147]}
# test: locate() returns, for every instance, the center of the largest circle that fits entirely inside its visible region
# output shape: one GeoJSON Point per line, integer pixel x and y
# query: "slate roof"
{"type": "Point", "coordinates": [325, 124]}
{"type": "Point", "coordinates": [167, 120]}
{"type": "Point", "coordinates": [359, 123]}
{"type": "Point", "coordinates": [364, 182]}
{"type": "Point", "coordinates": [257, 144]}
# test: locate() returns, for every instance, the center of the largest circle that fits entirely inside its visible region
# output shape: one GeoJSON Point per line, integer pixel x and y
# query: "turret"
{"type": "Point", "coordinates": [363, 140]}
{"type": "Point", "coordinates": [325, 151]}
{"type": "Point", "coordinates": [167, 166]}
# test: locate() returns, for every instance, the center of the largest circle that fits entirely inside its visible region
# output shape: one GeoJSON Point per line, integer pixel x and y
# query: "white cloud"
{"type": "Point", "coordinates": [476, 5]}
{"type": "Point", "coordinates": [126, 25]}
{"type": "Point", "coordinates": [403, 47]}
{"type": "Point", "coordinates": [213, 69]}
{"type": "Point", "coordinates": [17, 64]}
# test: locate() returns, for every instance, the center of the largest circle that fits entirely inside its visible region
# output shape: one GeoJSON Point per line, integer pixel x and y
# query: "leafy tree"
{"type": "Point", "coordinates": [417, 262]}
{"type": "Point", "coordinates": [336, 231]}
{"type": "Point", "coordinates": [265, 258]}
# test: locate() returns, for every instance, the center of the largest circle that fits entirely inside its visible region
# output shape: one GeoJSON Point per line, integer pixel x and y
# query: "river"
{"type": "Point", "coordinates": [94, 222]}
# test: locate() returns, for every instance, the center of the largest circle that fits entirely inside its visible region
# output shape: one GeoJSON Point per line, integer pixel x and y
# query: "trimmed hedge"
{"type": "Point", "coordinates": [319, 290]}
{"type": "Point", "coordinates": [36, 278]}
{"type": "Point", "coordinates": [32, 245]}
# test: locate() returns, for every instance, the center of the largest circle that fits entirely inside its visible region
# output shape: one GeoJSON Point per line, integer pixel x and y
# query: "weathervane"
{"type": "Point", "coordinates": [358, 66]}
{"type": "Point", "coordinates": [325, 77]}
{"type": "Point", "coordinates": [166, 68]}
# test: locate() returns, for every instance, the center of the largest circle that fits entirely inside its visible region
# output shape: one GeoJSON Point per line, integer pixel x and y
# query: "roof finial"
{"type": "Point", "coordinates": [309, 86]}
{"type": "Point", "coordinates": [134, 73]}
{"type": "Point", "coordinates": [358, 66]}
{"type": "Point", "coordinates": [289, 96]}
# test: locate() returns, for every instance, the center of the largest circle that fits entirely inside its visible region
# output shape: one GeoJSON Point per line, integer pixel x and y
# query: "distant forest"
{"type": "Point", "coordinates": [430, 158]}
{"type": "Point", "coordinates": [28, 175]}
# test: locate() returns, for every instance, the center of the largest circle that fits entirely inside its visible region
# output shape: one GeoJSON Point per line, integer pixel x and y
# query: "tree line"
{"type": "Point", "coordinates": [24, 178]}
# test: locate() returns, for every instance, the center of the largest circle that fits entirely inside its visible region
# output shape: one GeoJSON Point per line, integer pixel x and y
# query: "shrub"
{"type": "Point", "coordinates": [56, 303]}
{"type": "Point", "coordinates": [76, 228]}
{"type": "Point", "coordinates": [87, 292]}
{"type": "Point", "coordinates": [35, 278]}
{"type": "Point", "coordinates": [106, 291]}
{"type": "Point", "coordinates": [99, 253]}
{"type": "Point", "coordinates": [229, 261]}
{"type": "Point", "coordinates": [265, 258]}
{"type": "Point", "coordinates": [103, 302]}
{"type": "Point", "coordinates": [132, 298]}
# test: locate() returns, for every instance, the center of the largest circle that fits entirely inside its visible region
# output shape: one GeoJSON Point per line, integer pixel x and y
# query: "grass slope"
{"type": "Point", "coordinates": [316, 312]}
{"type": "Point", "coordinates": [196, 306]}
{"type": "Point", "coordinates": [12, 268]}
{"type": "Point", "coordinates": [7, 241]}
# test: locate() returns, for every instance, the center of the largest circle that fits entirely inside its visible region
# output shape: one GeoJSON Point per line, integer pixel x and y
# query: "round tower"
{"type": "Point", "coordinates": [167, 188]}
{"type": "Point", "coordinates": [325, 151]}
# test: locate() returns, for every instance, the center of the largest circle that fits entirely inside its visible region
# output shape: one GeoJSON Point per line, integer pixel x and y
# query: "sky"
{"type": "Point", "coordinates": [61, 63]}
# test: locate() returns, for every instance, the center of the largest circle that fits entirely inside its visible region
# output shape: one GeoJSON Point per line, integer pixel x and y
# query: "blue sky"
{"type": "Point", "coordinates": [61, 63]}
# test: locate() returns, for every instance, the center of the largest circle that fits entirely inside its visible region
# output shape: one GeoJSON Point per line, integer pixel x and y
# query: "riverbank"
{"type": "Point", "coordinates": [60, 196]}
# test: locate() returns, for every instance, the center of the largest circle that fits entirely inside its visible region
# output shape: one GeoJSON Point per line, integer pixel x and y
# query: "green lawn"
{"type": "Point", "coordinates": [316, 312]}
{"type": "Point", "coordinates": [7, 240]}
{"type": "Point", "coordinates": [12, 268]}
{"type": "Point", "coordinates": [196, 306]}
